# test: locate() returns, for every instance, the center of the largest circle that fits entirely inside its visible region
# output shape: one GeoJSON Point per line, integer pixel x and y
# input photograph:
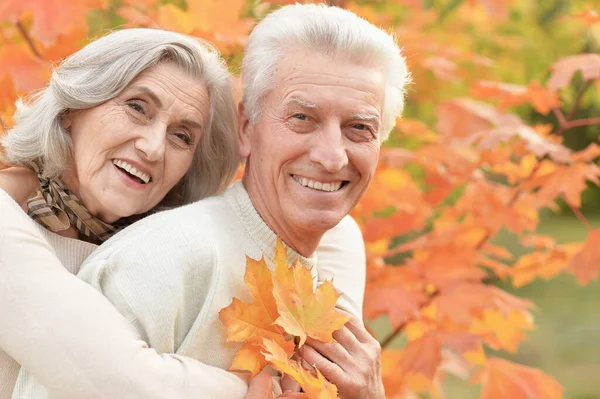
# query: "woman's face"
{"type": "Point", "coordinates": [130, 151]}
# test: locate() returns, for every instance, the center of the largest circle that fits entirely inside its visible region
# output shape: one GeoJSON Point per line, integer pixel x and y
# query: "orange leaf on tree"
{"type": "Point", "coordinates": [504, 379]}
{"type": "Point", "coordinates": [50, 17]}
{"type": "Point", "coordinates": [586, 263]}
{"type": "Point", "coordinates": [544, 264]}
{"type": "Point", "coordinates": [28, 73]}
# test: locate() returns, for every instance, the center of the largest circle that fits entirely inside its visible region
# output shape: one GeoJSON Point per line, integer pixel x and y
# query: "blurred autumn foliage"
{"type": "Point", "coordinates": [499, 88]}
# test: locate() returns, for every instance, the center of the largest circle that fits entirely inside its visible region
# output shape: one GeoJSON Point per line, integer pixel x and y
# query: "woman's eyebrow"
{"type": "Point", "coordinates": [149, 93]}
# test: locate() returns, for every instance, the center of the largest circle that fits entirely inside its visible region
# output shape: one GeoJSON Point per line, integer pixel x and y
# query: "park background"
{"type": "Point", "coordinates": [487, 190]}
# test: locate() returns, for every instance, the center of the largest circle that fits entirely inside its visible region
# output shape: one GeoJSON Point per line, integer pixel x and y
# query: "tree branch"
{"type": "Point", "coordinates": [580, 94]}
{"type": "Point", "coordinates": [25, 35]}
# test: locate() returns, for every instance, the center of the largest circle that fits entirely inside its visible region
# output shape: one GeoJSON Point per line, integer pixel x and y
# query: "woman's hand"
{"type": "Point", "coordinates": [19, 182]}
{"type": "Point", "coordinates": [353, 362]}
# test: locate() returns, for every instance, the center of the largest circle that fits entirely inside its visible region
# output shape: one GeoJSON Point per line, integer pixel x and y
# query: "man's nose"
{"type": "Point", "coordinates": [152, 143]}
{"type": "Point", "coordinates": [328, 149]}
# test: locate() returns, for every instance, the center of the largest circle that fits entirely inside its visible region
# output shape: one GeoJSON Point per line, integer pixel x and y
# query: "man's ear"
{"type": "Point", "coordinates": [244, 130]}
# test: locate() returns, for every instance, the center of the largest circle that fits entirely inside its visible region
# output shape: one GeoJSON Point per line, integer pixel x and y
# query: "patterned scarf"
{"type": "Point", "coordinates": [57, 209]}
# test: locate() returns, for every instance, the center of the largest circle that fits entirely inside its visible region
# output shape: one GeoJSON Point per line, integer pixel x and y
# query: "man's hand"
{"type": "Point", "coordinates": [261, 387]}
{"type": "Point", "coordinates": [353, 363]}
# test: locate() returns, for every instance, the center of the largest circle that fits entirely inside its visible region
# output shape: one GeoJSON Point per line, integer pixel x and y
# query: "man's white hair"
{"type": "Point", "coordinates": [326, 30]}
{"type": "Point", "coordinates": [99, 72]}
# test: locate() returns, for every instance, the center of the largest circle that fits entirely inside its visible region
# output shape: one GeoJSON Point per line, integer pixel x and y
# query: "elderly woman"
{"type": "Point", "coordinates": [136, 121]}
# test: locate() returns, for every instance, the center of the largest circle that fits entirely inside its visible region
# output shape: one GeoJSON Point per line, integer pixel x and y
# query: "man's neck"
{"type": "Point", "coordinates": [303, 242]}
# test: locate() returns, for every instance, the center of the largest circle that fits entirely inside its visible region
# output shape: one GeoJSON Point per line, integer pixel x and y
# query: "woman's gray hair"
{"type": "Point", "coordinates": [326, 30]}
{"type": "Point", "coordinates": [99, 72]}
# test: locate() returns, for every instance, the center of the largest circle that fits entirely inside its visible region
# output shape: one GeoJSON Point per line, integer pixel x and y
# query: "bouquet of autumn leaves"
{"type": "Point", "coordinates": [285, 310]}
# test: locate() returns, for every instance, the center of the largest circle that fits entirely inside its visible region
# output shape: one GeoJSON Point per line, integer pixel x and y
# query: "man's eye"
{"type": "Point", "coordinates": [301, 117]}
{"type": "Point", "coordinates": [360, 126]}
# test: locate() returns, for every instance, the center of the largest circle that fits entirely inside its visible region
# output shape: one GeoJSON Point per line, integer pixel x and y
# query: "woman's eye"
{"type": "Point", "coordinates": [184, 137]}
{"type": "Point", "coordinates": [137, 107]}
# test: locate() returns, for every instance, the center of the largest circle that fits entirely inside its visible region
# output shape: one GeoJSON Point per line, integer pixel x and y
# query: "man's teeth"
{"type": "Point", "coordinates": [317, 185]}
{"type": "Point", "coordinates": [132, 170]}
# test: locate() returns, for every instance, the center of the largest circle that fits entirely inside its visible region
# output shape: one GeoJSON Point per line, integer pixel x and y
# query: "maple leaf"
{"type": "Point", "coordinates": [566, 181]}
{"type": "Point", "coordinates": [546, 264]}
{"type": "Point", "coordinates": [542, 99]}
{"type": "Point", "coordinates": [564, 69]}
{"type": "Point", "coordinates": [424, 355]}
{"type": "Point", "coordinates": [304, 312]}
{"type": "Point", "coordinates": [502, 331]}
{"type": "Point", "coordinates": [249, 358]}
{"type": "Point", "coordinates": [469, 121]}
{"type": "Point", "coordinates": [586, 263]}
{"type": "Point", "coordinates": [400, 305]}
{"type": "Point", "coordinates": [504, 379]}
{"type": "Point", "coordinates": [50, 17]}
{"type": "Point", "coordinates": [316, 387]}
{"type": "Point", "coordinates": [460, 303]}
{"type": "Point", "coordinates": [27, 71]}
{"type": "Point", "coordinates": [253, 322]}
{"type": "Point", "coordinates": [589, 16]}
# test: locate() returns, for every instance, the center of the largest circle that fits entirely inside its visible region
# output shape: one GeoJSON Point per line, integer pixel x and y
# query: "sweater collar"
{"type": "Point", "coordinates": [257, 229]}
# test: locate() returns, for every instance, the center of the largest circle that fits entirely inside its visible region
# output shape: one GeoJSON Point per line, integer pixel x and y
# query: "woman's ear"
{"type": "Point", "coordinates": [66, 120]}
{"type": "Point", "coordinates": [244, 130]}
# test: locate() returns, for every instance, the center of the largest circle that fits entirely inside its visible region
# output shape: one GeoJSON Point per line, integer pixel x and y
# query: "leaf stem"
{"type": "Point", "coordinates": [559, 116]}
{"type": "Point", "coordinates": [581, 218]}
{"type": "Point", "coordinates": [27, 38]}
{"type": "Point", "coordinates": [580, 94]}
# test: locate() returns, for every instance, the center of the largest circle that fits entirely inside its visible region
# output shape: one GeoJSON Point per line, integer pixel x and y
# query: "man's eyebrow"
{"type": "Point", "coordinates": [366, 117]}
{"type": "Point", "coordinates": [147, 91]}
{"type": "Point", "coordinates": [302, 103]}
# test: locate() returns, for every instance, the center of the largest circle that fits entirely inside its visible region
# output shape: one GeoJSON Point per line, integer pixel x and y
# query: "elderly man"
{"type": "Point", "coordinates": [322, 89]}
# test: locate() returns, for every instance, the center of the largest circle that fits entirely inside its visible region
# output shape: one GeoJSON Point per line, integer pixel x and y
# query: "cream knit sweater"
{"type": "Point", "coordinates": [172, 296]}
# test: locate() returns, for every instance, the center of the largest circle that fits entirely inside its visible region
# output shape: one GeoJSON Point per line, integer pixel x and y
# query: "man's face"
{"type": "Point", "coordinates": [315, 148]}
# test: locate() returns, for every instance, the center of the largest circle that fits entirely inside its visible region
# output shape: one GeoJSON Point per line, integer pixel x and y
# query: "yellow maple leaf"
{"type": "Point", "coordinates": [252, 322]}
{"type": "Point", "coordinates": [283, 306]}
{"type": "Point", "coordinates": [302, 311]}
{"type": "Point", "coordinates": [315, 386]}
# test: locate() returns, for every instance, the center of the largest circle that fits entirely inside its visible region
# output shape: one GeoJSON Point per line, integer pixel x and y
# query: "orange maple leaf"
{"type": "Point", "coordinates": [504, 379]}
{"type": "Point", "coordinates": [27, 72]}
{"type": "Point", "coordinates": [316, 387]}
{"type": "Point", "coordinates": [304, 312]}
{"type": "Point", "coordinates": [469, 121]}
{"type": "Point", "coordinates": [460, 303]}
{"type": "Point", "coordinates": [542, 99]}
{"type": "Point", "coordinates": [586, 263]}
{"type": "Point", "coordinates": [566, 181]}
{"type": "Point", "coordinates": [284, 305]}
{"type": "Point", "coordinates": [253, 322]}
{"type": "Point", "coordinates": [50, 17]}
{"type": "Point", "coordinates": [588, 16]}
{"type": "Point", "coordinates": [544, 264]}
